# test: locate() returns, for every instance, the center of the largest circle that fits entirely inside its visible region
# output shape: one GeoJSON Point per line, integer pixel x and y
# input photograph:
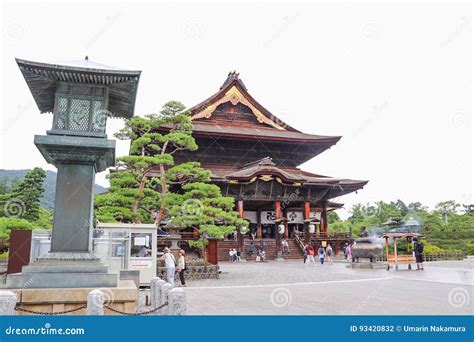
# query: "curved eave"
{"type": "Point", "coordinates": [42, 81]}
{"type": "Point", "coordinates": [279, 136]}
{"type": "Point", "coordinates": [78, 69]}
{"type": "Point", "coordinates": [345, 187]}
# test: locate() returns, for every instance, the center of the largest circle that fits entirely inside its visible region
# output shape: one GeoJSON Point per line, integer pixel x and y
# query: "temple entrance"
{"type": "Point", "coordinates": [268, 231]}
{"type": "Point", "coordinates": [295, 227]}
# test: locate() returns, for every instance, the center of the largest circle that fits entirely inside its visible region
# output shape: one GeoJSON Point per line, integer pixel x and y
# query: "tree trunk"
{"type": "Point", "coordinates": [164, 187]}
{"type": "Point", "coordinates": [140, 191]}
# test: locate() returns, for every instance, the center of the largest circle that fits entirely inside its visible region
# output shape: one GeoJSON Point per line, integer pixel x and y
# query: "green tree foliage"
{"type": "Point", "coordinates": [445, 228]}
{"type": "Point", "coordinates": [23, 199]}
{"type": "Point", "coordinates": [201, 206]}
{"type": "Point", "coordinates": [6, 225]}
{"type": "Point", "coordinates": [9, 223]}
{"type": "Point", "coordinates": [4, 188]}
{"type": "Point", "coordinates": [19, 206]}
{"type": "Point", "coordinates": [135, 193]}
{"type": "Point", "coordinates": [149, 187]}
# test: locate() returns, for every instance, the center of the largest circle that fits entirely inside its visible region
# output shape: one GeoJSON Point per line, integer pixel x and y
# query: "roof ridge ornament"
{"type": "Point", "coordinates": [232, 76]}
{"type": "Point", "coordinates": [261, 162]}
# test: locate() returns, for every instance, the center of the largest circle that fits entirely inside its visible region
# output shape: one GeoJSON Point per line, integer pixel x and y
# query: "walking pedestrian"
{"type": "Point", "coordinates": [169, 264]}
{"type": "Point", "coordinates": [285, 247]}
{"type": "Point", "coordinates": [182, 266]}
{"type": "Point", "coordinates": [329, 254]}
{"type": "Point", "coordinates": [305, 253]}
{"type": "Point", "coordinates": [349, 253]}
{"type": "Point", "coordinates": [322, 254]}
{"type": "Point", "coordinates": [231, 255]}
{"type": "Point", "coordinates": [418, 254]}
{"type": "Point", "coordinates": [310, 258]}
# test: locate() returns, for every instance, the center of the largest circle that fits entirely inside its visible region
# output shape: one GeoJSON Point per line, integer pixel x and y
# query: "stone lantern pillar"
{"type": "Point", "coordinates": [81, 95]}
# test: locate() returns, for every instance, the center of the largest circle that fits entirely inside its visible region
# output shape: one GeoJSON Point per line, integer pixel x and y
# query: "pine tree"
{"type": "Point", "coordinates": [202, 206]}
{"type": "Point", "coordinates": [23, 202]}
{"type": "Point", "coordinates": [135, 194]}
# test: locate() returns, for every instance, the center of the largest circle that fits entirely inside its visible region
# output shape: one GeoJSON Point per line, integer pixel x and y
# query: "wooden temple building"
{"type": "Point", "coordinates": [254, 157]}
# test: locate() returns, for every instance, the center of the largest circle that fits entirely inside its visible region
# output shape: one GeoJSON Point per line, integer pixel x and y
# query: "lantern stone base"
{"type": "Point", "coordinates": [122, 297]}
{"type": "Point", "coordinates": [63, 270]}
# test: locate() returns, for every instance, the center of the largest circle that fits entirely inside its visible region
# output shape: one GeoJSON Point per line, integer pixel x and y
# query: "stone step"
{"type": "Point", "coordinates": [61, 280]}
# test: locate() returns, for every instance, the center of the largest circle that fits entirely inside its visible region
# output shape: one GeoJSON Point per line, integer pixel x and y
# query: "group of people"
{"type": "Point", "coordinates": [323, 254]}
{"type": "Point", "coordinates": [234, 255]}
{"type": "Point", "coordinates": [171, 267]}
{"type": "Point", "coordinates": [260, 251]}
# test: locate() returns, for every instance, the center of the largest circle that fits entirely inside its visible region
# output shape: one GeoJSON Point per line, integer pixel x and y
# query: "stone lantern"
{"type": "Point", "coordinates": [81, 95]}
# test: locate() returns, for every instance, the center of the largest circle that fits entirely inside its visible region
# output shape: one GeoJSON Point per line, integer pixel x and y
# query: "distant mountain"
{"type": "Point", "coordinates": [49, 185]}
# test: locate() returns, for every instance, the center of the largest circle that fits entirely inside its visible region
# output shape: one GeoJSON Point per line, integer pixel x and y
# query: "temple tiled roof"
{"type": "Point", "coordinates": [201, 128]}
{"type": "Point", "coordinates": [265, 167]}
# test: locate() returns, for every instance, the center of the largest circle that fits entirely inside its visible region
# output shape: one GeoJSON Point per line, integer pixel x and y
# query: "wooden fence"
{"type": "Point", "coordinates": [437, 256]}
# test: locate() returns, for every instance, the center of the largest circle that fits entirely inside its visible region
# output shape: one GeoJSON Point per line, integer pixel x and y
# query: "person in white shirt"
{"type": "Point", "coordinates": [181, 266]}
{"type": "Point", "coordinates": [169, 264]}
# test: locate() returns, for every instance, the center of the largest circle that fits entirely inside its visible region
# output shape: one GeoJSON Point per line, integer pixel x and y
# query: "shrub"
{"type": "Point", "coordinates": [431, 249]}
{"type": "Point", "coordinates": [470, 248]}
{"type": "Point", "coordinates": [9, 223]}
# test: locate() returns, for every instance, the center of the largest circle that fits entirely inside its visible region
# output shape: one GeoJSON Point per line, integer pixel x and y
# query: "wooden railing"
{"type": "Point", "coordinates": [435, 256]}
{"type": "Point", "coordinates": [299, 242]}
{"type": "Point", "coordinates": [444, 256]}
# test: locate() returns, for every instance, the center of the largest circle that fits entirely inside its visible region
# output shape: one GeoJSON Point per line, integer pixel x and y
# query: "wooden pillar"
{"type": "Point", "coordinates": [396, 252]}
{"type": "Point", "coordinates": [259, 224]}
{"type": "Point", "coordinates": [306, 215]}
{"type": "Point", "coordinates": [386, 247]}
{"type": "Point", "coordinates": [277, 223]}
{"type": "Point", "coordinates": [286, 224]}
{"type": "Point", "coordinates": [240, 236]}
{"type": "Point", "coordinates": [323, 227]}
{"type": "Point", "coordinates": [325, 222]}
{"type": "Point", "coordinates": [212, 252]}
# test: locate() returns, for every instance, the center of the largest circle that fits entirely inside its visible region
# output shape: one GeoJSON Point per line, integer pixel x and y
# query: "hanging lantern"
{"type": "Point", "coordinates": [281, 228]}
{"type": "Point", "coordinates": [244, 230]}
{"type": "Point", "coordinates": [312, 228]}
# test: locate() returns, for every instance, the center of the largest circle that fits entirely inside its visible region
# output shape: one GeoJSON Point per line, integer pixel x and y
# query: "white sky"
{"type": "Point", "coordinates": [395, 80]}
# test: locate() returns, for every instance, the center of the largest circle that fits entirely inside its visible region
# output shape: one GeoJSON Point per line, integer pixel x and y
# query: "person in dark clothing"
{"type": "Point", "coordinates": [251, 249]}
{"type": "Point", "coordinates": [322, 254]}
{"type": "Point", "coordinates": [418, 254]}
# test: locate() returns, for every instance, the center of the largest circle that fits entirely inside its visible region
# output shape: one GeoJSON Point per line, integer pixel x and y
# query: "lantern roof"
{"type": "Point", "coordinates": [42, 79]}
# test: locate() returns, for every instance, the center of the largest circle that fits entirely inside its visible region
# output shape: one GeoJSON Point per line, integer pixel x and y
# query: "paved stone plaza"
{"type": "Point", "coordinates": [292, 288]}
